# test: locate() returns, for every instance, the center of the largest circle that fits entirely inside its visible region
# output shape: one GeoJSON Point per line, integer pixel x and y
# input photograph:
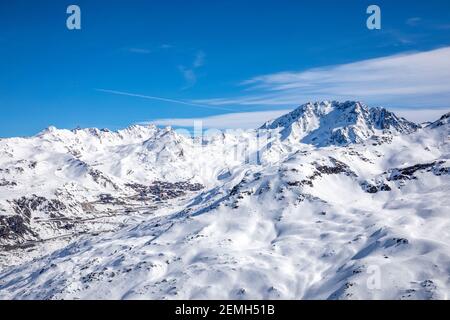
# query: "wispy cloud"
{"type": "Point", "coordinates": [417, 79]}
{"type": "Point", "coordinates": [421, 115]}
{"type": "Point", "coordinates": [147, 49]}
{"type": "Point", "coordinates": [240, 120]}
{"type": "Point", "coordinates": [189, 73]}
{"type": "Point", "coordinates": [189, 76]}
{"type": "Point", "coordinates": [139, 50]}
{"type": "Point", "coordinates": [166, 46]}
{"type": "Point", "coordinates": [188, 103]}
{"type": "Point", "coordinates": [426, 24]}
{"type": "Point", "coordinates": [199, 59]}
{"type": "Point", "coordinates": [414, 21]}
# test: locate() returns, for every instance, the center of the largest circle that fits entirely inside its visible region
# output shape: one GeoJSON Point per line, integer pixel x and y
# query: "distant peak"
{"type": "Point", "coordinates": [337, 123]}
{"type": "Point", "coordinates": [442, 121]}
{"type": "Point", "coordinates": [47, 131]}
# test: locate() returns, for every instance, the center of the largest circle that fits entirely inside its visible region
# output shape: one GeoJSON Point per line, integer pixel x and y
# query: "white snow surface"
{"type": "Point", "coordinates": [332, 201]}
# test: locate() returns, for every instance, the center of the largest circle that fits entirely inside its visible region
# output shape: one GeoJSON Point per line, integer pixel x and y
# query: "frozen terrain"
{"type": "Point", "coordinates": [331, 201]}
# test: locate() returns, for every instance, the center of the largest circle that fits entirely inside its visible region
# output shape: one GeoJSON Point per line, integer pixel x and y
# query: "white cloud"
{"type": "Point", "coordinates": [241, 120]}
{"type": "Point", "coordinates": [166, 46]}
{"type": "Point", "coordinates": [140, 50]}
{"type": "Point", "coordinates": [421, 115]}
{"type": "Point", "coordinates": [189, 73]}
{"type": "Point", "coordinates": [199, 59]}
{"type": "Point", "coordinates": [189, 76]}
{"type": "Point", "coordinates": [414, 21]}
{"type": "Point", "coordinates": [419, 79]}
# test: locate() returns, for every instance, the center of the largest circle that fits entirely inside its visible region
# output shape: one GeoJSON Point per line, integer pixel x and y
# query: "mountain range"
{"type": "Point", "coordinates": [330, 201]}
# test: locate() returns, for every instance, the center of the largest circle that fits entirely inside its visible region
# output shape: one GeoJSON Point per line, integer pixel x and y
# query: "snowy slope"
{"type": "Point", "coordinates": [362, 213]}
{"type": "Point", "coordinates": [52, 183]}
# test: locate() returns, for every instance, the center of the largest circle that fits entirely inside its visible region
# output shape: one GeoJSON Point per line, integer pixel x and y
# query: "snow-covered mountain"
{"type": "Point", "coordinates": [333, 200]}
{"type": "Point", "coordinates": [441, 122]}
{"type": "Point", "coordinates": [334, 123]}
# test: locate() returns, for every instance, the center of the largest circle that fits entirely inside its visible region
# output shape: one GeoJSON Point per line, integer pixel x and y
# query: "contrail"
{"type": "Point", "coordinates": [163, 99]}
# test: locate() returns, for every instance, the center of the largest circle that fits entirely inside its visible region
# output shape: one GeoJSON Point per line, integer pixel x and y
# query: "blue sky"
{"type": "Point", "coordinates": [140, 61]}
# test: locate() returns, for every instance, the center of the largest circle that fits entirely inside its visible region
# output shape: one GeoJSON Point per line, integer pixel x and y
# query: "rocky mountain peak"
{"type": "Point", "coordinates": [338, 123]}
{"type": "Point", "coordinates": [442, 121]}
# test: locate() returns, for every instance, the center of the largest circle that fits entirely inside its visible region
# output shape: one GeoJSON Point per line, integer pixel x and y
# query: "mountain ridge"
{"type": "Point", "coordinates": [334, 123]}
{"type": "Point", "coordinates": [144, 212]}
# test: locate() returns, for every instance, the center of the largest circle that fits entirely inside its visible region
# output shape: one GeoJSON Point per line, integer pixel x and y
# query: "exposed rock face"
{"type": "Point", "coordinates": [374, 188]}
{"type": "Point", "coordinates": [5, 183]}
{"type": "Point", "coordinates": [25, 206]}
{"type": "Point", "coordinates": [408, 173]}
{"type": "Point", "coordinates": [15, 227]}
